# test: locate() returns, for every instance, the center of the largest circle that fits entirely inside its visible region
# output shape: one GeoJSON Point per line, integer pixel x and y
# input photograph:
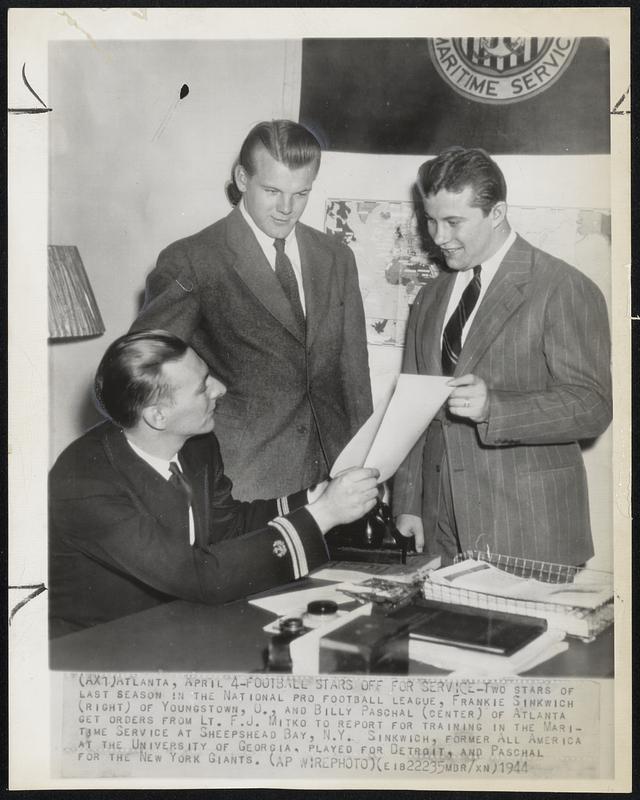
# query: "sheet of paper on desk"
{"type": "Point", "coordinates": [388, 435]}
{"type": "Point", "coordinates": [416, 568]}
{"type": "Point", "coordinates": [341, 575]}
{"type": "Point", "coordinates": [295, 603]}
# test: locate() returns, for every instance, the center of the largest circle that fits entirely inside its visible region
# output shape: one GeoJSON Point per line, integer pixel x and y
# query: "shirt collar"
{"type": "Point", "coordinates": [265, 241]}
{"type": "Point", "coordinates": [490, 266]}
{"type": "Point", "coordinates": [160, 465]}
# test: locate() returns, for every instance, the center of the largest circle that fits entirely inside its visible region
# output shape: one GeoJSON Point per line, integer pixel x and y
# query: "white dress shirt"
{"type": "Point", "coordinates": [290, 248]}
{"type": "Point", "coordinates": [464, 278]}
{"type": "Point", "coordinates": [161, 466]}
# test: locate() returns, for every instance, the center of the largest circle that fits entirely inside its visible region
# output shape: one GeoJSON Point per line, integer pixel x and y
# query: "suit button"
{"type": "Point", "coordinates": [302, 429]}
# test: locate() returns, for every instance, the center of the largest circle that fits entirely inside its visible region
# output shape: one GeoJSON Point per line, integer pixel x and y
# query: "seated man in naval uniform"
{"type": "Point", "coordinates": [141, 511]}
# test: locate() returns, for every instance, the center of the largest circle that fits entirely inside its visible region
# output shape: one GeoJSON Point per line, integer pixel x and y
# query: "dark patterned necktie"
{"type": "Point", "coordinates": [178, 480]}
{"type": "Point", "coordinates": [287, 278]}
{"type": "Point", "coordinates": [452, 335]}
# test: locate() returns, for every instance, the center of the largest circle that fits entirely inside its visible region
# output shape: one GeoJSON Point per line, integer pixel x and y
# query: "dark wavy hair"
{"type": "Point", "coordinates": [129, 376]}
{"type": "Point", "coordinates": [456, 168]}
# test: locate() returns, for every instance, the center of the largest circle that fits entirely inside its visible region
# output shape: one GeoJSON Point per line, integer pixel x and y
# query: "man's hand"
{"type": "Point", "coordinates": [410, 525]}
{"type": "Point", "coordinates": [313, 493]}
{"type": "Point", "coordinates": [470, 398]}
{"type": "Point", "coordinates": [349, 496]}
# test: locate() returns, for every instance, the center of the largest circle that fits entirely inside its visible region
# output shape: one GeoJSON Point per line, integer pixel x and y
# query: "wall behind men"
{"type": "Point", "coordinates": [133, 167]}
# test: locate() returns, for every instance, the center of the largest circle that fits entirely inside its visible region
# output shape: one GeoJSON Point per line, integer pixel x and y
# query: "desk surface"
{"type": "Point", "coordinates": [189, 637]}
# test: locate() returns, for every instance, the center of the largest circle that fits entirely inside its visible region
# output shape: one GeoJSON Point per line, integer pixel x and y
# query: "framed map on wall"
{"type": "Point", "coordinates": [396, 257]}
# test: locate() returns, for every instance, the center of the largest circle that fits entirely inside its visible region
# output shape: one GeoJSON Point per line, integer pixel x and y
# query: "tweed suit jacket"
{"type": "Point", "coordinates": [217, 291]}
{"type": "Point", "coordinates": [119, 533]}
{"type": "Point", "coordinates": [540, 340]}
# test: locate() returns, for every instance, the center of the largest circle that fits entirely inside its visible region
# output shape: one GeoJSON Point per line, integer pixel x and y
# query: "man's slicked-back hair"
{"type": "Point", "coordinates": [285, 141]}
{"type": "Point", "coordinates": [458, 167]}
{"type": "Point", "coordinates": [129, 376]}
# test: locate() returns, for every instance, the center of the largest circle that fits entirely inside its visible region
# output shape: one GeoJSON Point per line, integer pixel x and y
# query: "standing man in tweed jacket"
{"type": "Point", "coordinates": [526, 340]}
{"type": "Point", "coordinates": [274, 308]}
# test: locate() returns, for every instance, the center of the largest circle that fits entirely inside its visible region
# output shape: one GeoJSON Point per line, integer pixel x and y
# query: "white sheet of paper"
{"type": "Point", "coordinates": [355, 453]}
{"type": "Point", "coordinates": [414, 404]}
{"type": "Point", "coordinates": [342, 575]}
{"type": "Point", "coordinates": [295, 603]}
{"type": "Point", "coordinates": [388, 435]}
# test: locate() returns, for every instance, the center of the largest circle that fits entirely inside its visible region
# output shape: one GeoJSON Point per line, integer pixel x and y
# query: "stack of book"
{"type": "Point", "coordinates": [477, 642]}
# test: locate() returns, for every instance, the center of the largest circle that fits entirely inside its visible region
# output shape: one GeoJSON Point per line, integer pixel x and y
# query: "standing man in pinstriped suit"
{"type": "Point", "coordinates": [526, 340]}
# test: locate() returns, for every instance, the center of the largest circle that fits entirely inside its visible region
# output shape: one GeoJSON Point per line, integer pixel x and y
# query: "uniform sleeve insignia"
{"type": "Point", "coordinates": [279, 548]}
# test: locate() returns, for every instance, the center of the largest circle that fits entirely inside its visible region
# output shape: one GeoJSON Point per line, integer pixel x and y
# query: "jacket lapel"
{"type": "Point", "coordinates": [255, 272]}
{"type": "Point", "coordinates": [432, 311]}
{"type": "Point", "coordinates": [159, 497]}
{"type": "Point", "coordinates": [504, 296]}
{"type": "Point", "coordinates": [317, 268]}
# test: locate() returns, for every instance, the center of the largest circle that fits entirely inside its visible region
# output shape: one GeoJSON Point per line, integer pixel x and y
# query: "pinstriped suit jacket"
{"type": "Point", "coordinates": [540, 340]}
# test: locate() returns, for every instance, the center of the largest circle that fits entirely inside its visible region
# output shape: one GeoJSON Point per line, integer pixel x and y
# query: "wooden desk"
{"type": "Point", "coordinates": [189, 637]}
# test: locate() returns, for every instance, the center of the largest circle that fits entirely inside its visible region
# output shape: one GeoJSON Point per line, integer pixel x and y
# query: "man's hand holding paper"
{"type": "Point", "coordinates": [396, 424]}
{"type": "Point", "coordinates": [350, 495]}
{"type": "Point", "coordinates": [388, 435]}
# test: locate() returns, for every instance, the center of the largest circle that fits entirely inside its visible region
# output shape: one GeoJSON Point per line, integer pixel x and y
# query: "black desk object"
{"type": "Point", "coordinates": [375, 538]}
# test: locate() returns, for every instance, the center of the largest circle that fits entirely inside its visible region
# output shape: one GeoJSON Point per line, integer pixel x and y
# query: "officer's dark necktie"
{"type": "Point", "coordinates": [287, 278]}
{"type": "Point", "coordinates": [452, 334]}
{"type": "Point", "coordinates": [178, 480]}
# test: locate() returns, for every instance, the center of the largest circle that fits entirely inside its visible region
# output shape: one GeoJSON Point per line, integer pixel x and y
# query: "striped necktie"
{"type": "Point", "coordinates": [452, 335]}
{"type": "Point", "coordinates": [287, 278]}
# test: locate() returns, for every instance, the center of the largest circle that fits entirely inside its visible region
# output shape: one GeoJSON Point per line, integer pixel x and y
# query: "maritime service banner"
{"type": "Point", "coordinates": [542, 95]}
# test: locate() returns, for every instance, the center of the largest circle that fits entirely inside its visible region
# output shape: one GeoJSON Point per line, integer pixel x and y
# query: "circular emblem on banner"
{"type": "Point", "coordinates": [501, 69]}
